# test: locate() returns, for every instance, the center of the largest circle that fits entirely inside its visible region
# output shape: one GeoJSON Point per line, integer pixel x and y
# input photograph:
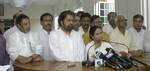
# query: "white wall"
{"type": "Point", "coordinates": [34, 12]}
{"type": "Point", "coordinates": [128, 8]}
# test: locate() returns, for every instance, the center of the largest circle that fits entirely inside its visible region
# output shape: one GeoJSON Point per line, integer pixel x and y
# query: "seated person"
{"type": "Point", "coordinates": [96, 44]}
{"type": "Point", "coordinates": [85, 25]}
{"type": "Point", "coordinates": [4, 57]}
{"type": "Point", "coordinates": [121, 39]}
{"type": "Point", "coordinates": [137, 32]}
{"type": "Point", "coordinates": [22, 45]}
{"type": "Point", "coordinates": [147, 42]}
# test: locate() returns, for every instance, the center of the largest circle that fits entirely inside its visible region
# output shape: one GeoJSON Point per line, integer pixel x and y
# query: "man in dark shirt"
{"type": "Point", "coordinates": [4, 57]}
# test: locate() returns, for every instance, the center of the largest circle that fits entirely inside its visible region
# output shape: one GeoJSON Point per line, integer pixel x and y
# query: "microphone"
{"type": "Point", "coordinates": [130, 57]}
{"type": "Point", "coordinates": [114, 57]}
{"type": "Point", "coordinates": [108, 62]}
{"type": "Point", "coordinates": [88, 62]}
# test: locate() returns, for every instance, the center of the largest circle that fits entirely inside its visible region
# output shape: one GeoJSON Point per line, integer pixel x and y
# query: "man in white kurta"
{"type": "Point", "coordinates": [121, 38]}
{"type": "Point", "coordinates": [137, 32]}
{"type": "Point", "coordinates": [65, 43]}
{"type": "Point", "coordinates": [43, 35]}
{"type": "Point", "coordinates": [111, 22]}
{"type": "Point", "coordinates": [147, 42]}
{"type": "Point", "coordinates": [22, 45]}
{"type": "Point", "coordinates": [137, 38]}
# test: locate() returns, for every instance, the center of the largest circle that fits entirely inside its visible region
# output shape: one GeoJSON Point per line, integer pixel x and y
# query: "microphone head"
{"type": "Point", "coordinates": [100, 55]}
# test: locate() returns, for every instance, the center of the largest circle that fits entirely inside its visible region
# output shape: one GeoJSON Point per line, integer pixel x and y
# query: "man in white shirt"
{"type": "Point", "coordinates": [111, 20]}
{"type": "Point", "coordinates": [137, 32]}
{"type": "Point", "coordinates": [85, 26]}
{"type": "Point", "coordinates": [22, 45]}
{"type": "Point", "coordinates": [65, 43]}
{"type": "Point", "coordinates": [14, 28]}
{"type": "Point", "coordinates": [76, 24]}
{"type": "Point", "coordinates": [147, 42]}
{"type": "Point", "coordinates": [121, 38]}
{"type": "Point", "coordinates": [43, 36]}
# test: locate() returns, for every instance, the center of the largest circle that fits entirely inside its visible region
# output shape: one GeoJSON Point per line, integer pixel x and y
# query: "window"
{"type": "Point", "coordinates": [102, 8]}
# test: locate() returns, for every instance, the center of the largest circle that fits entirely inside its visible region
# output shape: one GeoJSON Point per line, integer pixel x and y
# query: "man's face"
{"type": "Point", "coordinates": [68, 23]}
{"type": "Point", "coordinates": [111, 18]}
{"type": "Point", "coordinates": [47, 23]}
{"type": "Point", "coordinates": [76, 24]}
{"type": "Point", "coordinates": [85, 22]}
{"type": "Point", "coordinates": [24, 25]}
{"type": "Point", "coordinates": [138, 24]}
{"type": "Point", "coordinates": [97, 22]}
{"type": "Point", "coordinates": [122, 22]}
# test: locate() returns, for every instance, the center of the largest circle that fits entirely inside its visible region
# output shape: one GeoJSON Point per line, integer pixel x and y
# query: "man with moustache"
{"type": "Point", "coordinates": [22, 45]}
{"type": "Point", "coordinates": [65, 43]}
{"type": "Point", "coordinates": [85, 25]}
{"type": "Point", "coordinates": [111, 20]}
{"type": "Point", "coordinates": [47, 25]}
{"type": "Point", "coordinates": [76, 24]}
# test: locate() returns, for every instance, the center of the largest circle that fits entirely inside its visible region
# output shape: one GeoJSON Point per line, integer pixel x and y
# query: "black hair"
{"type": "Point", "coordinates": [46, 14]}
{"type": "Point", "coordinates": [63, 15]}
{"type": "Point", "coordinates": [114, 13]}
{"type": "Point", "coordinates": [92, 30]}
{"type": "Point", "coordinates": [85, 15]}
{"type": "Point", "coordinates": [20, 17]}
{"type": "Point", "coordinates": [94, 17]}
{"type": "Point", "coordinates": [138, 16]}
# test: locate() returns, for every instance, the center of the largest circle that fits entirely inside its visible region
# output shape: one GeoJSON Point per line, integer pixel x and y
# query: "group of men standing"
{"type": "Point", "coordinates": [68, 43]}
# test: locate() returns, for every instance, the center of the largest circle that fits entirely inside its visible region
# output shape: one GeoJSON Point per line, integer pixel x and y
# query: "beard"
{"type": "Point", "coordinates": [68, 28]}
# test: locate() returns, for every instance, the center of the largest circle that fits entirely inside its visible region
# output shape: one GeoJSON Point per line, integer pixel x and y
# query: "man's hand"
{"type": "Point", "coordinates": [124, 54]}
{"type": "Point", "coordinates": [24, 60]}
{"type": "Point", "coordinates": [37, 57]}
{"type": "Point", "coordinates": [136, 53]}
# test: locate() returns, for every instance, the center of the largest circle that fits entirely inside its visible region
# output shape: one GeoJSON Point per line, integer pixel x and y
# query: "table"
{"type": "Point", "coordinates": [65, 66]}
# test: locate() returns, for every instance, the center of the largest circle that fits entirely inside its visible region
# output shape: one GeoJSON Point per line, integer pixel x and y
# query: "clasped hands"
{"type": "Point", "coordinates": [33, 58]}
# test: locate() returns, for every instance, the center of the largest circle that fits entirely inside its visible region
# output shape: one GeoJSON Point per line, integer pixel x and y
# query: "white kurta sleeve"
{"type": "Point", "coordinates": [35, 44]}
{"type": "Point", "coordinates": [54, 46]}
{"type": "Point", "coordinates": [82, 49]}
{"type": "Point", "coordinates": [12, 48]}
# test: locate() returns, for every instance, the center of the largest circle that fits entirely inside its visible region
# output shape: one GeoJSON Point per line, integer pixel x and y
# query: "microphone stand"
{"type": "Point", "coordinates": [88, 62]}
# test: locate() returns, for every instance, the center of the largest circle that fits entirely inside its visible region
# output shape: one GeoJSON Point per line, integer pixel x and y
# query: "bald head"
{"type": "Point", "coordinates": [121, 21]}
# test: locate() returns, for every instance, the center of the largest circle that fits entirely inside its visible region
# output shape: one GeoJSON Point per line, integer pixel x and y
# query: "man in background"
{"type": "Point", "coordinates": [85, 26]}
{"type": "Point", "coordinates": [137, 32]}
{"type": "Point", "coordinates": [111, 22]}
{"type": "Point", "coordinates": [43, 36]}
{"type": "Point", "coordinates": [122, 38]}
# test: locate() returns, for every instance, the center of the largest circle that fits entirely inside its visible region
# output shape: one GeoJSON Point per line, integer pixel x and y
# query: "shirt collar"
{"type": "Point", "coordinates": [45, 32]}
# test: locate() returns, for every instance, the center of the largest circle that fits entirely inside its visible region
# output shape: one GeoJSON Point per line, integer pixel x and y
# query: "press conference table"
{"type": "Point", "coordinates": [68, 66]}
